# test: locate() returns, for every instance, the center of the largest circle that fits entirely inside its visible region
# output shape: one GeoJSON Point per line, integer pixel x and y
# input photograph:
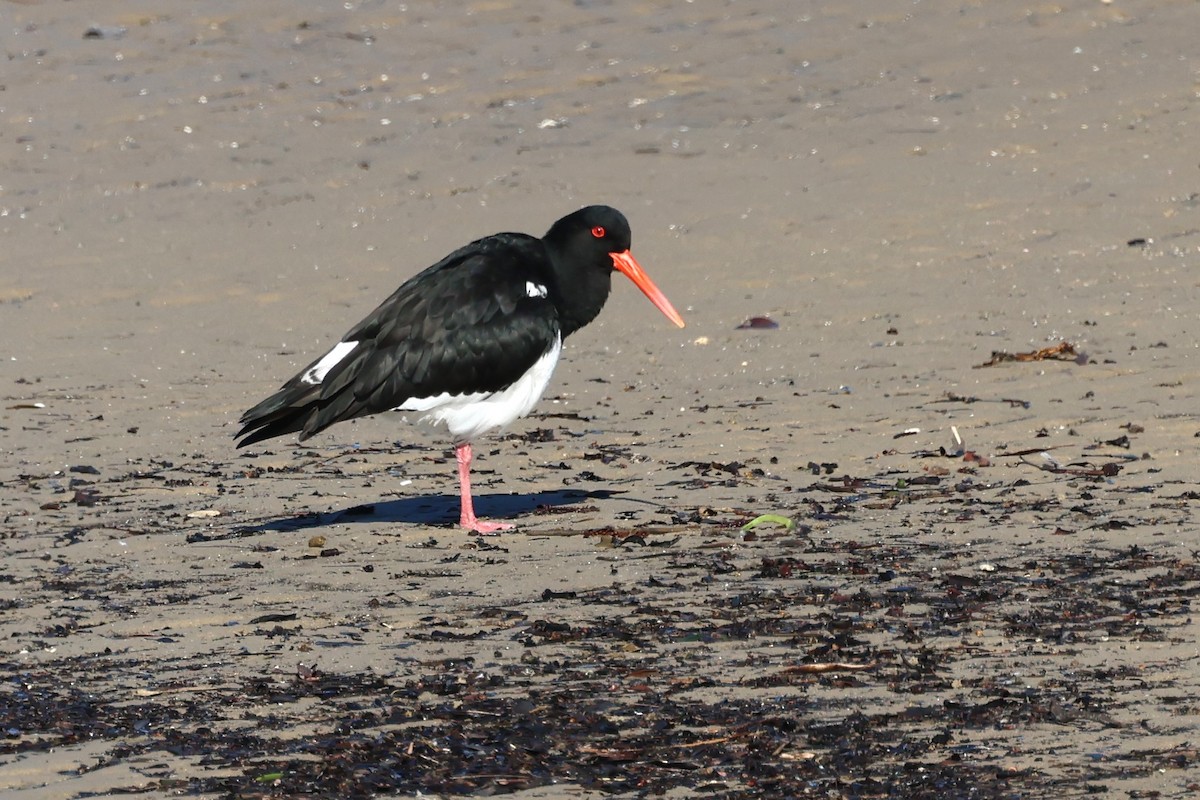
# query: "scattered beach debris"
{"type": "Point", "coordinates": [1083, 469]}
{"type": "Point", "coordinates": [1063, 351]}
{"type": "Point", "coordinates": [105, 32]}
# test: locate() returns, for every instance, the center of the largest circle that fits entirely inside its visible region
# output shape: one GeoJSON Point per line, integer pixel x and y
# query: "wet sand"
{"type": "Point", "coordinates": [988, 589]}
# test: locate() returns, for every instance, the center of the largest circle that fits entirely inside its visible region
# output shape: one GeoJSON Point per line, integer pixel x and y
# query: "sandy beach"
{"type": "Point", "coordinates": [969, 406]}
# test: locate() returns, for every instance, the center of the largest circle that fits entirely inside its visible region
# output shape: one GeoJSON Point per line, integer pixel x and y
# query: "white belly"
{"type": "Point", "coordinates": [469, 415]}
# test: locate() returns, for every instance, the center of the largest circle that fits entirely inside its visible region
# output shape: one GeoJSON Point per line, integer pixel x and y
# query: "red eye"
{"type": "Point", "coordinates": [598, 231]}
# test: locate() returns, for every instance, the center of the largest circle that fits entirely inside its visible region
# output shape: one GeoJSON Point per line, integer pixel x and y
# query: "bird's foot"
{"type": "Point", "coordinates": [483, 527]}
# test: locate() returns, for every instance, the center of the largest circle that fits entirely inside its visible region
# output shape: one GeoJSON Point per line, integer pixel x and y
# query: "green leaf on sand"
{"type": "Point", "coordinates": [774, 519]}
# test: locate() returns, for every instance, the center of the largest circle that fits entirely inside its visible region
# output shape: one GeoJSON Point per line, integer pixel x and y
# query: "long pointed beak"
{"type": "Point", "coordinates": [627, 264]}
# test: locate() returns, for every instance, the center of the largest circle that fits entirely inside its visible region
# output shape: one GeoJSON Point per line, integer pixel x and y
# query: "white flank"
{"type": "Point", "coordinates": [330, 360]}
{"type": "Point", "coordinates": [469, 415]}
{"type": "Point", "coordinates": [534, 289]}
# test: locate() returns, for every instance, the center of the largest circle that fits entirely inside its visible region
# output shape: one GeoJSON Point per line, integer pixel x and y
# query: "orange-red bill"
{"type": "Point", "coordinates": [627, 264]}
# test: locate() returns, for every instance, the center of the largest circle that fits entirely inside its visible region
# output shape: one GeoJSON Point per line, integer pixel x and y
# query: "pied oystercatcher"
{"type": "Point", "coordinates": [469, 342]}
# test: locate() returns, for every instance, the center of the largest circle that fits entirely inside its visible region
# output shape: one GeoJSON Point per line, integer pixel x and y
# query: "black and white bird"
{"type": "Point", "coordinates": [469, 342]}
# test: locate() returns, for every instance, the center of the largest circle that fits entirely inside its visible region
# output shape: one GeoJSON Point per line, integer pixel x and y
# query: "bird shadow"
{"type": "Point", "coordinates": [439, 510]}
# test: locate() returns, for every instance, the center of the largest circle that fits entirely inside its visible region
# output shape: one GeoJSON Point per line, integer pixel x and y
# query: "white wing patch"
{"type": "Point", "coordinates": [469, 415]}
{"type": "Point", "coordinates": [534, 289]}
{"type": "Point", "coordinates": [318, 371]}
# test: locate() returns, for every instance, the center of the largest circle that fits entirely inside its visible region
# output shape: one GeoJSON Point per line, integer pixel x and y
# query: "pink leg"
{"type": "Point", "coordinates": [467, 519]}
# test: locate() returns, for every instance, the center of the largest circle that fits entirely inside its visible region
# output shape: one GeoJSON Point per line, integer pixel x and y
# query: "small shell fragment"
{"type": "Point", "coordinates": [758, 323]}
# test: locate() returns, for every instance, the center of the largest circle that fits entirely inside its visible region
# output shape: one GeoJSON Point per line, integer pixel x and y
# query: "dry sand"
{"type": "Point", "coordinates": [197, 198]}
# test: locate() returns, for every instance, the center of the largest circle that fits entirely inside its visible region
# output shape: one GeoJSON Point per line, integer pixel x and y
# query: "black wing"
{"type": "Point", "coordinates": [474, 322]}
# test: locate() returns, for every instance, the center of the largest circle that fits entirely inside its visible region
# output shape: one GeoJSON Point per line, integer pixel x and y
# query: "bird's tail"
{"type": "Point", "coordinates": [289, 410]}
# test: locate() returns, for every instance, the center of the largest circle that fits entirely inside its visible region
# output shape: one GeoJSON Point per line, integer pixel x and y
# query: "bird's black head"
{"type": "Point", "coordinates": [585, 248]}
{"type": "Point", "coordinates": [590, 235]}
